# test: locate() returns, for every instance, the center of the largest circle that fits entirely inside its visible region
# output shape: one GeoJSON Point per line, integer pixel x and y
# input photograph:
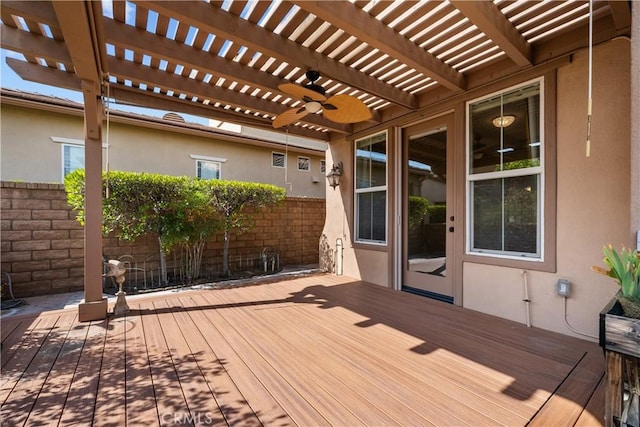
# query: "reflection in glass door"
{"type": "Point", "coordinates": [427, 236]}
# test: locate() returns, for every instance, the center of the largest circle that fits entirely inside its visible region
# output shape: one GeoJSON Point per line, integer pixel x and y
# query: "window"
{"type": "Point", "coordinates": [371, 189]}
{"type": "Point", "coordinates": [72, 158]}
{"type": "Point", "coordinates": [323, 166]}
{"type": "Point", "coordinates": [277, 160]}
{"type": "Point", "coordinates": [207, 169]}
{"type": "Point", "coordinates": [505, 174]}
{"type": "Point", "coordinates": [303, 163]}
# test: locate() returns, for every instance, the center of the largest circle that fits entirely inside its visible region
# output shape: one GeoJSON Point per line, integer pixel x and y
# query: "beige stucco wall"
{"type": "Point", "coordinates": [593, 206]}
{"type": "Point", "coordinates": [29, 154]}
{"type": "Point", "coordinates": [593, 202]}
{"type": "Point", "coordinates": [358, 261]}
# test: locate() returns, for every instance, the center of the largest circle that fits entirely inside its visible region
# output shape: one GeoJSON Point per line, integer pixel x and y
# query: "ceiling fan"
{"type": "Point", "coordinates": [337, 108]}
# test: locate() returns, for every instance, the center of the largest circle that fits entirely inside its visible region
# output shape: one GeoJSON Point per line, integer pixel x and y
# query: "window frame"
{"type": "Point", "coordinates": [543, 259]}
{"type": "Point", "coordinates": [208, 159]}
{"type": "Point", "coordinates": [284, 159]}
{"type": "Point", "coordinates": [308, 163]}
{"type": "Point", "coordinates": [199, 162]}
{"type": "Point", "coordinates": [71, 146]}
{"type": "Point", "coordinates": [381, 188]}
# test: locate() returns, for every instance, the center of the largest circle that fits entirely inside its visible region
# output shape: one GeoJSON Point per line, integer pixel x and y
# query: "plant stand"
{"type": "Point", "coordinates": [620, 339]}
{"type": "Point", "coordinates": [117, 269]}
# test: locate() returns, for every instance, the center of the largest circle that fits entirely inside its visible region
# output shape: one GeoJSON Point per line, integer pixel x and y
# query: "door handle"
{"type": "Point", "coordinates": [450, 229]}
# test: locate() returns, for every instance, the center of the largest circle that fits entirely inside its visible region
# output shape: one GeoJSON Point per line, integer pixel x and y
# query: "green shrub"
{"type": "Point", "coordinates": [182, 211]}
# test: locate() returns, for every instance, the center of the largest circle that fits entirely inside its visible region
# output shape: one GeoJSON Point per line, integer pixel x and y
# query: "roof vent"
{"type": "Point", "coordinates": [173, 117]}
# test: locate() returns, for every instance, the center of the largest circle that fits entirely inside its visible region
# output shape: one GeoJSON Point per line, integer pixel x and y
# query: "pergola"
{"type": "Point", "coordinates": [226, 59]}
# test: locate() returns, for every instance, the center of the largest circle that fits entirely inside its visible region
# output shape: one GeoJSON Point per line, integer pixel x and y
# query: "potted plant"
{"type": "Point", "coordinates": [624, 268]}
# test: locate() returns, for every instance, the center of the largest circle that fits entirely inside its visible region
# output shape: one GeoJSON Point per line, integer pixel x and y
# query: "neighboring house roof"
{"type": "Point", "coordinates": [171, 121]}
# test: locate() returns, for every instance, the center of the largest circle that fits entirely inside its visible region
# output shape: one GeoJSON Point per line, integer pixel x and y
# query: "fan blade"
{"type": "Point", "coordinates": [301, 91]}
{"type": "Point", "coordinates": [348, 109]}
{"type": "Point", "coordinates": [289, 116]}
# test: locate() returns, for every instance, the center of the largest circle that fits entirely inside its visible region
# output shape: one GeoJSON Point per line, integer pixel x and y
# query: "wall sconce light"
{"type": "Point", "coordinates": [503, 121]}
{"type": "Point", "coordinates": [334, 176]}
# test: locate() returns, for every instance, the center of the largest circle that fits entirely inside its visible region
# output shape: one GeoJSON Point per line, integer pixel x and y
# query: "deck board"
{"type": "Point", "coordinates": [199, 397]}
{"type": "Point", "coordinates": [140, 400]}
{"type": "Point", "coordinates": [593, 413]}
{"type": "Point", "coordinates": [577, 388]}
{"type": "Point", "coordinates": [314, 350]}
{"type": "Point", "coordinates": [27, 388]}
{"type": "Point", "coordinates": [51, 400]}
{"type": "Point", "coordinates": [110, 400]}
{"type": "Point", "coordinates": [285, 394]}
{"type": "Point", "coordinates": [232, 404]}
{"type": "Point", "coordinates": [411, 382]}
{"type": "Point", "coordinates": [303, 365]}
{"type": "Point", "coordinates": [233, 379]}
{"type": "Point", "coordinates": [80, 403]}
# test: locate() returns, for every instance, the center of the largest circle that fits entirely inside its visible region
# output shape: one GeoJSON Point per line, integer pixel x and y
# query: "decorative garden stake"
{"type": "Point", "coordinates": [117, 269]}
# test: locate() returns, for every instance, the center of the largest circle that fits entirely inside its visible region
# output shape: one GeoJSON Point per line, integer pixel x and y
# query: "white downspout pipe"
{"type": "Point", "coordinates": [339, 256]}
{"type": "Point", "coordinates": [526, 299]}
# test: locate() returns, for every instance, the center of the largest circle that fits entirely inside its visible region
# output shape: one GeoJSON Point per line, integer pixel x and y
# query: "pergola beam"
{"type": "Point", "coordinates": [621, 13]}
{"type": "Point", "coordinates": [376, 34]}
{"type": "Point", "coordinates": [488, 18]}
{"type": "Point", "coordinates": [38, 11]}
{"type": "Point", "coordinates": [132, 96]}
{"type": "Point", "coordinates": [192, 87]}
{"type": "Point", "coordinates": [152, 100]}
{"type": "Point", "coordinates": [29, 44]}
{"type": "Point", "coordinates": [224, 24]}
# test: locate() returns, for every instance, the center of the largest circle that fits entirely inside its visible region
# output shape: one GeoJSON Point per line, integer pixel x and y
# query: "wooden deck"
{"type": "Point", "coordinates": [309, 351]}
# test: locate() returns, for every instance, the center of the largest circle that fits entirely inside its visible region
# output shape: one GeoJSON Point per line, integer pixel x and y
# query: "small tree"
{"type": "Point", "coordinates": [230, 199]}
{"type": "Point", "coordinates": [142, 203]}
{"type": "Point", "coordinates": [198, 221]}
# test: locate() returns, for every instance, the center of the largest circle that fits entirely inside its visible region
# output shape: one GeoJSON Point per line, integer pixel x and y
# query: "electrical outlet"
{"type": "Point", "coordinates": [563, 288]}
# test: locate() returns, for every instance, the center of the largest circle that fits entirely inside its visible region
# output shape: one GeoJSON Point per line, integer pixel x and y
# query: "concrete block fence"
{"type": "Point", "coordinates": [42, 244]}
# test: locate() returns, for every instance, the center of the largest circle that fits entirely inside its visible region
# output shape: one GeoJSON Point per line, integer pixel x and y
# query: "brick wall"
{"type": "Point", "coordinates": [42, 245]}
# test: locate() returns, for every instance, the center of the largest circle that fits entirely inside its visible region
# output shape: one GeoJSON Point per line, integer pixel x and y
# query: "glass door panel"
{"type": "Point", "coordinates": [426, 193]}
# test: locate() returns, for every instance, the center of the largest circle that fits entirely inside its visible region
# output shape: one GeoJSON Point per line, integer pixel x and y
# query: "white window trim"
{"type": "Point", "coordinates": [357, 191]}
{"type": "Point", "coordinates": [208, 158]}
{"type": "Point", "coordinates": [281, 154]}
{"type": "Point", "coordinates": [62, 146]}
{"type": "Point", "coordinates": [71, 141]}
{"type": "Point", "coordinates": [213, 162]}
{"type": "Point", "coordinates": [308, 169]}
{"type": "Point", "coordinates": [535, 171]}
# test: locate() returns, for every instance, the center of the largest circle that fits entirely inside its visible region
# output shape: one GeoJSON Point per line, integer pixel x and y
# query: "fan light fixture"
{"type": "Point", "coordinates": [340, 108]}
{"type": "Point", "coordinates": [313, 106]}
{"type": "Point", "coordinates": [503, 121]}
{"type": "Point", "coordinates": [334, 176]}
